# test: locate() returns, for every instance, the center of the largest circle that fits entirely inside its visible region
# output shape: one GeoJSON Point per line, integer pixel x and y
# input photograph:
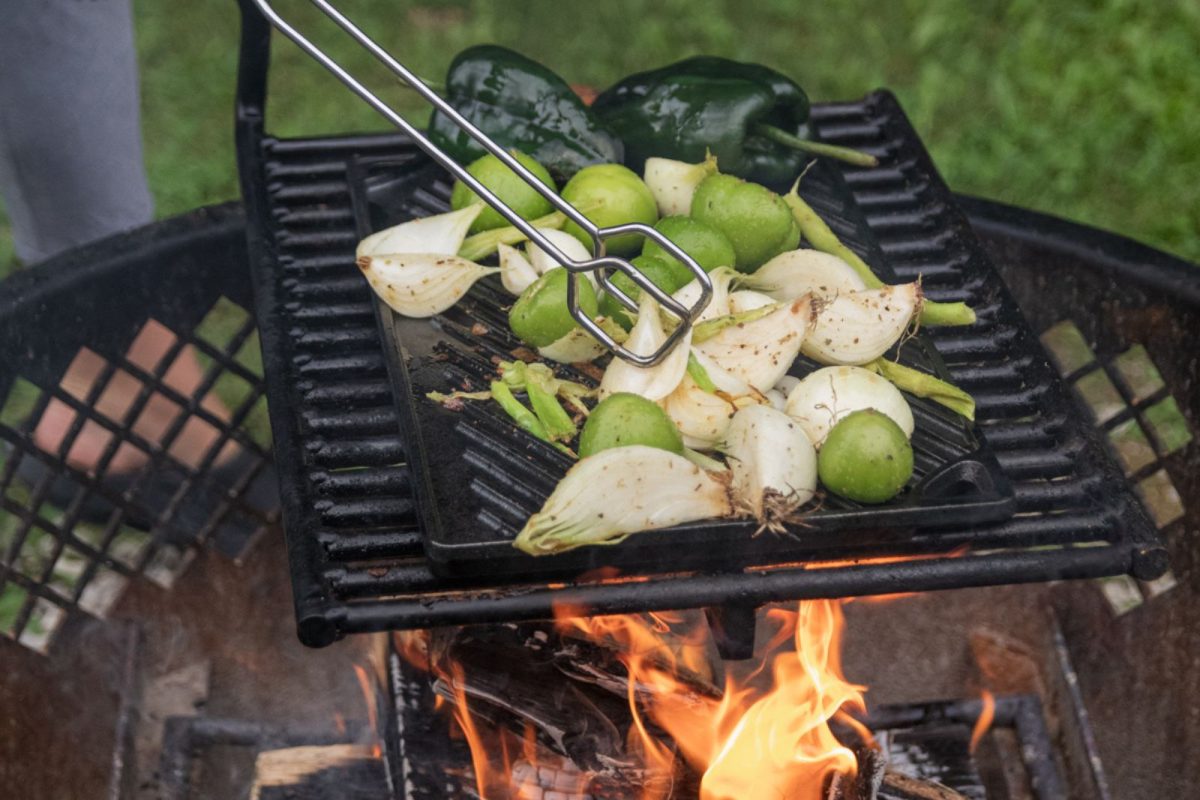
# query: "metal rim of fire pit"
{"type": "Point", "coordinates": [354, 548]}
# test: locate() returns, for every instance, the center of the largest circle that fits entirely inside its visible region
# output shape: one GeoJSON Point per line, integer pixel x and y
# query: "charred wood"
{"type": "Point", "coordinates": [897, 786]}
{"type": "Point", "coordinates": [875, 781]}
{"type": "Point", "coordinates": [506, 685]}
{"type": "Point", "coordinates": [573, 691]}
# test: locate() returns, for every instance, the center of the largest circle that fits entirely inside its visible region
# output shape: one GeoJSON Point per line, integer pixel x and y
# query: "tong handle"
{"type": "Point", "coordinates": [600, 262]}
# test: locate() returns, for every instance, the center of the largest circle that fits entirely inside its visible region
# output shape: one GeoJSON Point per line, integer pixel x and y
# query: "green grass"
{"type": "Point", "coordinates": [1090, 110]}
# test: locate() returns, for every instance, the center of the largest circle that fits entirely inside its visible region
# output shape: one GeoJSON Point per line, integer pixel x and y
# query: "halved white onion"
{"type": "Point", "coordinates": [761, 351]}
{"type": "Point", "coordinates": [645, 338]}
{"type": "Point", "coordinates": [674, 182]}
{"type": "Point", "coordinates": [573, 348]}
{"type": "Point", "coordinates": [859, 327]}
{"type": "Point", "coordinates": [718, 304]}
{"type": "Point", "coordinates": [611, 494]}
{"type": "Point", "coordinates": [825, 396]}
{"type": "Point", "coordinates": [804, 271]}
{"type": "Point", "coordinates": [442, 234]}
{"type": "Point", "coordinates": [773, 463]}
{"type": "Point", "coordinates": [748, 300]}
{"type": "Point", "coordinates": [421, 284]}
{"type": "Point", "coordinates": [703, 417]}
{"type": "Point", "coordinates": [516, 273]}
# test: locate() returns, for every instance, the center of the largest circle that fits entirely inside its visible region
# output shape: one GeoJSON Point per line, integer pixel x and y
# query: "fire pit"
{"type": "Point", "coordinates": [168, 699]}
{"type": "Point", "coordinates": [168, 641]}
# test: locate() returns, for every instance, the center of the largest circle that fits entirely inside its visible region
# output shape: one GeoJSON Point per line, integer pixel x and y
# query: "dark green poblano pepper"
{"type": "Point", "coordinates": [520, 104]}
{"type": "Point", "coordinates": [750, 117]}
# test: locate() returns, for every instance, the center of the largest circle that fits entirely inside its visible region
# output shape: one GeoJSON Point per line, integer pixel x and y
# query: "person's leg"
{"type": "Point", "coordinates": [71, 167]}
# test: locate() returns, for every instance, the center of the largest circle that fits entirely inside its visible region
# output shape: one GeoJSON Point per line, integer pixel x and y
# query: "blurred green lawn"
{"type": "Point", "coordinates": [1089, 110]}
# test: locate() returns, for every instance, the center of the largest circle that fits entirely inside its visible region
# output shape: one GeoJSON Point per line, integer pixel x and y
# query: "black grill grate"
{"type": "Point", "coordinates": [355, 548]}
{"type": "Point", "coordinates": [92, 338]}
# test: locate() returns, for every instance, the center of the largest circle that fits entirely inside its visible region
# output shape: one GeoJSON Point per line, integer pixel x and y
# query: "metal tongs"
{"type": "Point", "coordinates": [601, 263]}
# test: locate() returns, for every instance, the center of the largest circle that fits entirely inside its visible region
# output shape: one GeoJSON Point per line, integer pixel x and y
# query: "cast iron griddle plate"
{"type": "Point", "coordinates": [477, 477]}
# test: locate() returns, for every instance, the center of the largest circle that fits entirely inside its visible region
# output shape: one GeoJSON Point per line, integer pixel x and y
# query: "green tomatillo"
{"type": "Point", "coordinates": [706, 244]}
{"type": "Point", "coordinates": [866, 457]}
{"type": "Point", "coordinates": [756, 221]}
{"type": "Point", "coordinates": [615, 195]}
{"type": "Point", "coordinates": [624, 419]}
{"type": "Point", "coordinates": [512, 190]}
{"type": "Point", "coordinates": [541, 316]}
{"type": "Point", "coordinates": [658, 270]}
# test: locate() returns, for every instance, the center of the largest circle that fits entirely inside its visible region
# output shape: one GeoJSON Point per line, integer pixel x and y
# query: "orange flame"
{"type": "Point", "coordinates": [984, 721]}
{"type": "Point", "coordinates": [368, 690]}
{"type": "Point", "coordinates": [484, 774]}
{"type": "Point", "coordinates": [880, 599]}
{"type": "Point", "coordinates": [751, 742]}
{"type": "Point", "coordinates": [838, 563]}
{"type": "Point", "coordinates": [520, 769]}
{"type": "Point", "coordinates": [413, 647]}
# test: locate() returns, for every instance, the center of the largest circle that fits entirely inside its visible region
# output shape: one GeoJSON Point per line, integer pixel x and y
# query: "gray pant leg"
{"type": "Point", "coordinates": [71, 165]}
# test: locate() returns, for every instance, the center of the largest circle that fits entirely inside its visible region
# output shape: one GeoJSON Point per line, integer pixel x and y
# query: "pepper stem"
{"type": "Point", "coordinates": [847, 154]}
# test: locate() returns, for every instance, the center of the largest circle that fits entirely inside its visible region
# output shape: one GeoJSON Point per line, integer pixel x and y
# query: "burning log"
{"type": "Point", "coordinates": [865, 783]}
{"type": "Point", "coordinates": [582, 661]}
{"type": "Point", "coordinates": [897, 786]}
{"type": "Point", "coordinates": [875, 781]}
{"type": "Point", "coordinates": [554, 778]}
{"type": "Point", "coordinates": [510, 679]}
{"type": "Point", "coordinates": [651, 704]}
{"type": "Point", "coordinates": [560, 701]}
{"type": "Point", "coordinates": [624, 705]}
{"type": "Point", "coordinates": [574, 692]}
{"type": "Point", "coordinates": [684, 656]}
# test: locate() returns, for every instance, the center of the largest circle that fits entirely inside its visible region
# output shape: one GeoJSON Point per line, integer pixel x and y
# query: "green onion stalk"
{"type": "Point", "coordinates": [526, 420]}
{"type": "Point", "coordinates": [922, 384]}
{"type": "Point", "coordinates": [481, 245]}
{"type": "Point", "coordinates": [819, 235]}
